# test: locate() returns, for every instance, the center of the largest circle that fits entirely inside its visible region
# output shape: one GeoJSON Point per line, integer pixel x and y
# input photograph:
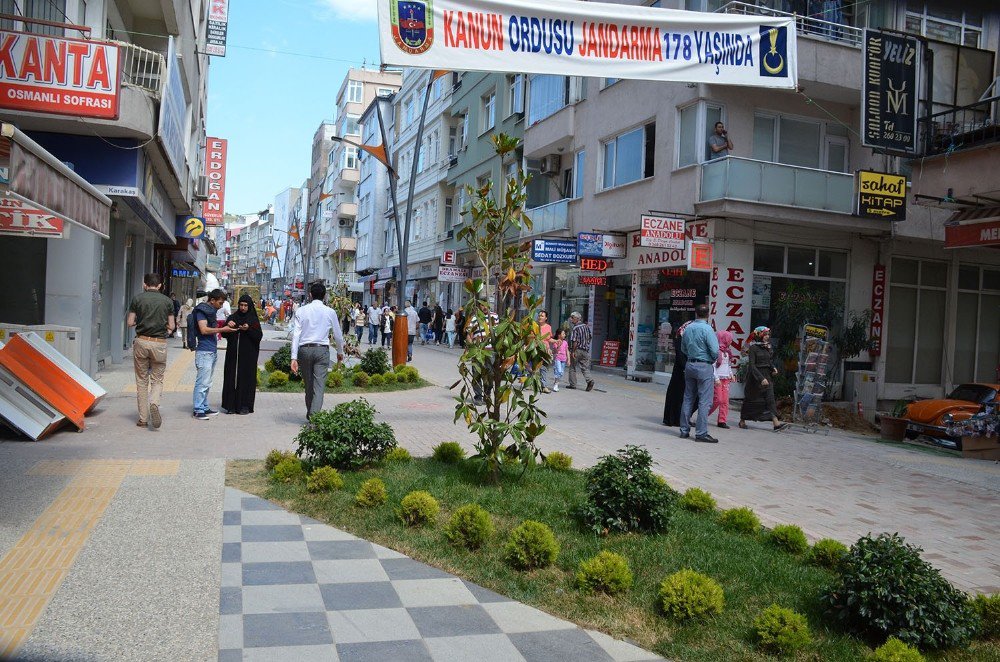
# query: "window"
{"type": "Point", "coordinates": [421, 153]}
{"type": "Point", "coordinates": [628, 157]}
{"type": "Point", "coordinates": [945, 22]}
{"type": "Point", "coordinates": [695, 124]}
{"type": "Point", "coordinates": [608, 82]}
{"type": "Point", "coordinates": [578, 162]}
{"type": "Point", "coordinates": [798, 271]}
{"type": "Point", "coordinates": [46, 10]}
{"type": "Point", "coordinates": [461, 205]}
{"type": "Point", "coordinates": [409, 110]}
{"type": "Point", "coordinates": [465, 130]}
{"type": "Point", "coordinates": [515, 94]}
{"type": "Point", "coordinates": [449, 211]}
{"type": "Point", "coordinates": [349, 126]}
{"type": "Point", "coordinates": [915, 338]}
{"type": "Point", "coordinates": [800, 142]}
{"type": "Point", "coordinates": [548, 94]}
{"type": "Point", "coordinates": [350, 156]}
{"type": "Point", "coordinates": [452, 140]}
{"type": "Point", "coordinates": [355, 91]}
{"type": "Point", "coordinates": [385, 92]}
{"type": "Point", "coordinates": [436, 88]}
{"type": "Point", "coordinates": [488, 111]}
{"type": "Point", "coordinates": [977, 343]}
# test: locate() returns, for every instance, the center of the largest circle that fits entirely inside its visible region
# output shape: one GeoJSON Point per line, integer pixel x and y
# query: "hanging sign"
{"type": "Point", "coordinates": [60, 76]}
{"type": "Point", "coordinates": [593, 280]}
{"type": "Point", "coordinates": [591, 244]}
{"type": "Point", "coordinates": [215, 171]}
{"type": "Point", "coordinates": [889, 92]}
{"type": "Point", "coordinates": [595, 264]}
{"type": "Point", "coordinates": [20, 218]}
{"type": "Point", "coordinates": [880, 195]}
{"type": "Point", "coordinates": [561, 251]}
{"type": "Point", "coordinates": [189, 227]}
{"type": "Point", "coordinates": [452, 274]}
{"type": "Point", "coordinates": [699, 256]}
{"type": "Point", "coordinates": [878, 308]}
{"type": "Point", "coordinates": [640, 258]}
{"type": "Point", "coordinates": [572, 38]}
{"type": "Point", "coordinates": [660, 232]}
{"type": "Point", "coordinates": [218, 27]}
{"type": "Point", "coordinates": [449, 257]}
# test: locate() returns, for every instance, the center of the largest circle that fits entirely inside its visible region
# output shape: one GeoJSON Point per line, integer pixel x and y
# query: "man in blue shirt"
{"type": "Point", "coordinates": [205, 352]}
{"type": "Point", "coordinates": [702, 349]}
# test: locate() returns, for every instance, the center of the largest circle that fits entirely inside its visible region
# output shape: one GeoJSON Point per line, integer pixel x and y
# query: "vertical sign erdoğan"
{"type": "Point", "coordinates": [215, 172]}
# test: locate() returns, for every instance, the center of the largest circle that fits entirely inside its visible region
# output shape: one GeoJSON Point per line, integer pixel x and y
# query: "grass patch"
{"type": "Point", "coordinates": [299, 386]}
{"type": "Point", "coordinates": [752, 572]}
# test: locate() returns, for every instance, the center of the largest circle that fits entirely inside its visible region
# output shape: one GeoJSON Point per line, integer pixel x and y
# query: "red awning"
{"type": "Point", "coordinates": [975, 227]}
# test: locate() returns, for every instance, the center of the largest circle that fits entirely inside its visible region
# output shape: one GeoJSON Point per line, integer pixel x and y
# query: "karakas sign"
{"type": "Point", "coordinates": [215, 172]}
{"type": "Point", "coordinates": [61, 76]}
{"type": "Point", "coordinates": [575, 38]}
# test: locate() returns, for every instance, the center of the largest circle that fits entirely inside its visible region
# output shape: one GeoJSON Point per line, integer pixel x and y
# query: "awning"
{"type": "Point", "coordinates": [47, 187]}
{"type": "Point", "coordinates": [379, 284]}
{"type": "Point", "coordinates": [974, 227]}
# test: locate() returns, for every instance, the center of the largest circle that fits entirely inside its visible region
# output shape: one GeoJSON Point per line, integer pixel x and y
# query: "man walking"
{"type": "Point", "coordinates": [424, 314]}
{"type": "Point", "coordinates": [580, 338]}
{"type": "Point", "coordinates": [205, 352]}
{"type": "Point", "coordinates": [177, 308]}
{"type": "Point", "coordinates": [701, 347]}
{"type": "Point", "coordinates": [152, 315]}
{"type": "Point", "coordinates": [314, 323]}
{"type": "Point", "coordinates": [411, 328]}
{"type": "Point", "coordinates": [374, 321]}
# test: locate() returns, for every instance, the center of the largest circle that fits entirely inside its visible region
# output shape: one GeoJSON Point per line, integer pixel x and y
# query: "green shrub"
{"type": "Point", "coordinates": [372, 493]}
{"type": "Point", "coordinates": [558, 461]}
{"type": "Point", "coordinates": [282, 360]}
{"type": "Point", "coordinates": [375, 381]}
{"type": "Point", "coordinates": [894, 650]}
{"type": "Point", "coordinates": [400, 368]}
{"type": "Point", "coordinates": [269, 365]}
{"type": "Point", "coordinates": [408, 374]}
{"type": "Point", "coordinates": [780, 630]}
{"type": "Point", "coordinates": [335, 379]}
{"type": "Point", "coordinates": [389, 378]}
{"type": "Point", "coordinates": [688, 594]}
{"type": "Point", "coordinates": [531, 545]}
{"type": "Point", "coordinates": [277, 378]}
{"type": "Point", "coordinates": [697, 500]}
{"type": "Point", "coordinates": [789, 538]}
{"type": "Point", "coordinates": [623, 494]}
{"type": "Point", "coordinates": [827, 553]}
{"type": "Point", "coordinates": [470, 527]}
{"type": "Point", "coordinates": [324, 479]}
{"type": "Point", "coordinates": [987, 607]}
{"type": "Point", "coordinates": [885, 589]}
{"type": "Point", "coordinates": [361, 378]}
{"type": "Point", "coordinates": [261, 377]}
{"type": "Point", "coordinates": [288, 470]}
{"type": "Point", "coordinates": [607, 572]}
{"type": "Point", "coordinates": [449, 452]}
{"type": "Point", "coordinates": [418, 508]}
{"type": "Point", "coordinates": [274, 456]}
{"type": "Point", "coordinates": [375, 361]}
{"type": "Point", "coordinates": [741, 520]}
{"type": "Point", "coordinates": [398, 454]}
{"type": "Point", "coordinates": [346, 436]}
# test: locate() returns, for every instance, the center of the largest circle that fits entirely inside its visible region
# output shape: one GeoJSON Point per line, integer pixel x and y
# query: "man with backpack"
{"type": "Point", "coordinates": [202, 339]}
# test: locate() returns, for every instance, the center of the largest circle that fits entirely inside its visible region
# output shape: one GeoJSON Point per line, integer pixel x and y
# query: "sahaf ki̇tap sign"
{"type": "Point", "coordinates": [575, 38]}
{"type": "Point", "coordinates": [60, 76]}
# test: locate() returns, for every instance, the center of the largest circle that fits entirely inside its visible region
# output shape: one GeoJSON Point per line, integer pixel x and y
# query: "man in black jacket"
{"type": "Point", "coordinates": [424, 317]}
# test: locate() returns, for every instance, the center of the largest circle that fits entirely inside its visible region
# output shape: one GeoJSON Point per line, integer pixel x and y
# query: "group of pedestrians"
{"type": "Point", "coordinates": [438, 327]}
{"type": "Point", "coordinates": [703, 372]}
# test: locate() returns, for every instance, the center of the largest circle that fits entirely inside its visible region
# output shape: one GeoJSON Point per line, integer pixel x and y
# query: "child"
{"type": "Point", "coordinates": [560, 357]}
{"type": "Point", "coordinates": [723, 375]}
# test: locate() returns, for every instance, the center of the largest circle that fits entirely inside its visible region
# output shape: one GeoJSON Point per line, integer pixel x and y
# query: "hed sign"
{"type": "Point", "coordinates": [661, 232]}
{"type": "Point", "coordinates": [215, 171]}
{"type": "Point", "coordinates": [45, 74]}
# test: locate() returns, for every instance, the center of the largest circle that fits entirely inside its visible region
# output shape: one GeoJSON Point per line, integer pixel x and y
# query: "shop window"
{"type": "Point", "coordinates": [991, 279]}
{"type": "Point", "coordinates": [802, 261]}
{"type": "Point", "coordinates": [769, 258]}
{"type": "Point", "coordinates": [977, 343]}
{"type": "Point", "coordinates": [628, 157]}
{"type": "Point", "coordinates": [832, 265]}
{"type": "Point", "coordinates": [915, 339]}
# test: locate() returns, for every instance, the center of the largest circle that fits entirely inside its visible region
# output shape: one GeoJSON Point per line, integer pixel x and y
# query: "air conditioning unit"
{"type": "Point", "coordinates": [344, 222]}
{"type": "Point", "coordinates": [549, 165]}
{"type": "Point", "coordinates": [201, 192]}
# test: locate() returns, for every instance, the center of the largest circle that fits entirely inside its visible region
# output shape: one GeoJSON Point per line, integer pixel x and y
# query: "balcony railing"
{"type": "Point", "coordinates": [962, 128]}
{"type": "Point", "coordinates": [766, 182]}
{"type": "Point", "coordinates": [142, 68]}
{"type": "Point", "coordinates": [819, 26]}
{"type": "Point", "coordinates": [552, 217]}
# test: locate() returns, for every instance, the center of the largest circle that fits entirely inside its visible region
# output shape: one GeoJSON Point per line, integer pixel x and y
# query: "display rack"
{"type": "Point", "coordinates": [816, 362]}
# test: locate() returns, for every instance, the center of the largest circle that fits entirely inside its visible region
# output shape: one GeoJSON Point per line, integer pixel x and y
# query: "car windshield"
{"type": "Point", "coordinates": [973, 393]}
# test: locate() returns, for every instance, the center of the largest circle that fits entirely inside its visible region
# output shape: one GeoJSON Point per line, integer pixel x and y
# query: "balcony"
{"type": "Point", "coordinates": [347, 210]}
{"type": "Point", "coordinates": [142, 68]}
{"type": "Point", "coordinates": [961, 128]}
{"type": "Point", "coordinates": [553, 217]}
{"type": "Point", "coordinates": [345, 244]}
{"type": "Point", "coordinates": [550, 134]}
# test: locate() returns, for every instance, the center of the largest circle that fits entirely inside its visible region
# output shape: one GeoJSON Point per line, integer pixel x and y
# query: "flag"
{"type": "Point", "coordinates": [293, 232]}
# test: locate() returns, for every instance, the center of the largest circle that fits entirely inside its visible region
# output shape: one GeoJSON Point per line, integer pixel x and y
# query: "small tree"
{"type": "Point", "coordinates": [506, 336]}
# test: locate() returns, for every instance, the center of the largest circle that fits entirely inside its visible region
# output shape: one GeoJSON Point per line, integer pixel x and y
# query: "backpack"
{"type": "Point", "coordinates": [192, 331]}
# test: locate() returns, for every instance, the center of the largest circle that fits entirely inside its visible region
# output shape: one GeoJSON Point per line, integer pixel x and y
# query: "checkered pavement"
{"type": "Point", "coordinates": [296, 589]}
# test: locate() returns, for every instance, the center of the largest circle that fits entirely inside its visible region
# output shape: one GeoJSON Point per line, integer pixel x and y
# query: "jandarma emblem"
{"type": "Point", "coordinates": [412, 25]}
{"type": "Point", "coordinates": [774, 52]}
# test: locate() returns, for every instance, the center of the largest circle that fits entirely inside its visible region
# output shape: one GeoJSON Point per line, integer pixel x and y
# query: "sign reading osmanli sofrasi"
{"type": "Point", "coordinates": [575, 38]}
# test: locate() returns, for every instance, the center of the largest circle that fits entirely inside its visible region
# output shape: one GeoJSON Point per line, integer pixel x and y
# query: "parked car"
{"type": "Point", "coordinates": [931, 417]}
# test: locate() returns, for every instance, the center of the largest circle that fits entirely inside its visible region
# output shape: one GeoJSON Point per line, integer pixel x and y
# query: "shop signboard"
{"type": "Point", "coordinates": [889, 92]}
{"type": "Point", "coordinates": [595, 264]}
{"type": "Point", "coordinates": [878, 310]}
{"type": "Point", "coordinates": [59, 76]}
{"type": "Point", "coordinates": [173, 108]}
{"type": "Point", "coordinates": [699, 256]}
{"type": "Point", "coordinates": [609, 353]}
{"type": "Point", "coordinates": [593, 280]}
{"type": "Point", "coordinates": [449, 257]}
{"type": "Point", "coordinates": [572, 38]}
{"type": "Point", "coordinates": [452, 274]}
{"type": "Point", "coordinates": [190, 227]}
{"type": "Point", "coordinates": [20, 218]}
{"type": "Point", "coordinates": [559, 251]}
{"type": "Point", "coordinates": [218, 27]}
{"type": "Point", "coordinates": [880, 195]}
{"type": "Point", "coordinates": [590, 244]}
{"type": "Point", "coordinates": [640, 258]}
{"type": "Point", "coordinates": [973, 234]}
{"type": "Point", "coordinates": [631, 360]}
{"type": "Point", "coordinates": [215, 172]}
{"type": "Point", "coordinates": [661, 232]}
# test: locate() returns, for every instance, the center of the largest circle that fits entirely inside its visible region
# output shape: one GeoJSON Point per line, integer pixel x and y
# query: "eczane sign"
{"type": "Point", "coordinates": [661, 232]}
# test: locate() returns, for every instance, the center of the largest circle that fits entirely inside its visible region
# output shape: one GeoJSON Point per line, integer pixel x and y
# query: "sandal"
{"type": "Point", "coordinates": [743, 425]}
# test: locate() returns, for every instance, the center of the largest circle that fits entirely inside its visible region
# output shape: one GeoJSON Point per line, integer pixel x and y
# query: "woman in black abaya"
{"type": "Point", "coordinates": [675, 390]}
{"type": "Point", "coordinates": [239, 388]}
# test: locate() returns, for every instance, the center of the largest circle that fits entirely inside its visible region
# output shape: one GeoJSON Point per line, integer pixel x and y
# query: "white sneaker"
{"type": "Point", "coordinates": [555, 388]}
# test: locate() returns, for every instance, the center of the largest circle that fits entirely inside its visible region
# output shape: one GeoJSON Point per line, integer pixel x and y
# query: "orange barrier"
{"type": "Point", "coordinates": [50, 382]}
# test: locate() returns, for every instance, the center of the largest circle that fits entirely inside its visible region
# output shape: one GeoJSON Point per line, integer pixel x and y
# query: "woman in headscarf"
{"type": "Point", "coordinates": [239, 387]}
{"type": "Point", "coordinates": [758, 399]}
{"type": "Point", "coordinates": [437, 324]}
{"type": "Point", "coordinates": [182, 320]}
{"type": "Point", "coordinates": [723, 375]}
{"type": "Point", "coordinates": [675, 390]}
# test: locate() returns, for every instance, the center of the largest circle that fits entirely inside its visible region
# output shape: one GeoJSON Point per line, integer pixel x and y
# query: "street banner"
{"type": "Point", "coordinates": [215, 171]}
{"type": "Point", "coordinates": [880, 195]}
{"type": "Point", "coordinates": [889, 92]}
{"type": "Point", "coordinates": [218, 27]}
{"type": "Point", "coordinates": [572, 38]}
{"type": "Point", "coordinates": [661, 232]}
{"type": "Point", "coordinates": [59, 76]}
{"type": "Point", "coordinates": [560, 251]}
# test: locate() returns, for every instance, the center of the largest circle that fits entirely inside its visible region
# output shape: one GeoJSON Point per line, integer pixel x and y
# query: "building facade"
{"type": "Point", "coordinates": [374, 229]}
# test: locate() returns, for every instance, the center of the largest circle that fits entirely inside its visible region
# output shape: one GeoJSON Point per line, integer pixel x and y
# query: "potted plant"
{"type": "Point", "coordinates": [893, 425]}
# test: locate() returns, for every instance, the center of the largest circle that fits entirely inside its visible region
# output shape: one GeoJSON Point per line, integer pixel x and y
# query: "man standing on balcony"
{"type": "Point", "coordinates": [719, 143]}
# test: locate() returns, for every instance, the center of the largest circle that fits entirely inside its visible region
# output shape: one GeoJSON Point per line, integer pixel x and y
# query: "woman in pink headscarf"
{"type": "Point", "coordinates": [723, 375]}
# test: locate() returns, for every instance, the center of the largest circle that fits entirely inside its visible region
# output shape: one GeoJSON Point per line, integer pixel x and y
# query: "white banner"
{"type": "Point", "coordinates": [575, 38]}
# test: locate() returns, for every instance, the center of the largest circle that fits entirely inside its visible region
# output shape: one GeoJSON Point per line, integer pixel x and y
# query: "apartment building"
{"type": "Point", "coordinates": [374, 229]}
{"type": "Point", "coordinates": [778, 208]}
{"type": "Point", "coordinates": [126, 157]}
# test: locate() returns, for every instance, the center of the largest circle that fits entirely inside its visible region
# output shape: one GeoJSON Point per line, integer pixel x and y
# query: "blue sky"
{"type": "Point", "coordinates": [267, 103]}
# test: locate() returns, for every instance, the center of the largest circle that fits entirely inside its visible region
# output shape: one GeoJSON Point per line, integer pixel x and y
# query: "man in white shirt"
{"type": "Point", "coordinates": [411, 328]}
{"type": "Point", "coordinates": [311, 343]}
{"type": "Point", "coordinates": [374, 321]}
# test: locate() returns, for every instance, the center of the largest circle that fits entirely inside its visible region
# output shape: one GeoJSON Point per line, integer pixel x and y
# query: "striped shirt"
{"type": "Point", "coordinates": [581, 337]}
